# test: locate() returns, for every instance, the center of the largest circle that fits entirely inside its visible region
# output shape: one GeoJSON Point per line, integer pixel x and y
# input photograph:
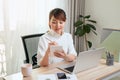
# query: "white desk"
{"type": "Point", "coordinates": [97, 73]}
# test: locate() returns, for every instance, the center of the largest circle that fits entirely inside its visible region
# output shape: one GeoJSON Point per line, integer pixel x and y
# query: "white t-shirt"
{"type": "Point", "coordinates": [65, 40]}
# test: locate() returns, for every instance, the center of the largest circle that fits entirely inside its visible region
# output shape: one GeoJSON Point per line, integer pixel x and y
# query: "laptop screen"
{"type": "Point", "coordinates": [85, 60]}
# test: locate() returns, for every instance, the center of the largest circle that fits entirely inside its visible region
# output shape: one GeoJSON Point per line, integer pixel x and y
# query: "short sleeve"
{"type": "Point", "coordinates": [71, 48]}
{"type": "Point", "coordinates": [42, 46]}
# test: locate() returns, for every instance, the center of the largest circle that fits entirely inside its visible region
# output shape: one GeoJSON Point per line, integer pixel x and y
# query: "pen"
{"type": "Point", "coordinates": [107, 54]}
{"type": "Point", "coordinates": [48, 39]}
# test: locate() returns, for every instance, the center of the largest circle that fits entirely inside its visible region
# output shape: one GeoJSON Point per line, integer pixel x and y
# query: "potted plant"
{"type": "Point", "coordinates": [83, 26]}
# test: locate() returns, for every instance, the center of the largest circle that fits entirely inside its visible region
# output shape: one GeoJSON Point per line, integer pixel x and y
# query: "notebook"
{"type": "Point", "coordinates": [85, 60]}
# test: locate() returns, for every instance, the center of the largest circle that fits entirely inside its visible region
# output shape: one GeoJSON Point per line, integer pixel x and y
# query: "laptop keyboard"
{"type": "Point", "coordinates": [70, 68]}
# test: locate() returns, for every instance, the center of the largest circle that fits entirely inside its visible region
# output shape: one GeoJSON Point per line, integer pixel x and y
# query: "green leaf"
{"type": "Point", "coordinates": [86, 28]}
{"type": "Point", "coordinates": [79, 31]}
{"type": "Point", "coordinates": [82, 32]}
{"type": "Point", "coordinates": [92, 26]}
{"type": "Point", "coordinates": [92, 21]}
{"type": "Point", "coordinates": [78, 23]}
{"type": "Point", "coordinates": [94, 32]}
{"type": "Point", "coordinates": [81, 16]}
{"type": "Point", "coordinates": [89, 44]}
{"type": "Point", "coordinates": [88, 16]}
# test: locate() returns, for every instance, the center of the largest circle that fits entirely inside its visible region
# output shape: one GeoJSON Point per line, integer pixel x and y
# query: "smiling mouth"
{"type": "Point", "coordinates": [58, 29]}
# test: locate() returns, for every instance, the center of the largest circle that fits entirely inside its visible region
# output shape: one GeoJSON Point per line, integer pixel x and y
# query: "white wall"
{"type": "Point", "coordinates": [106, 13]}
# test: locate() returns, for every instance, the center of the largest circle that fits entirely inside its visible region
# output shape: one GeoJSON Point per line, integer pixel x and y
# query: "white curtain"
{"type": "Point", "coordinates": [20, 18]}
{"type": "Point", "coordinates": [23, 17]}
{"type": "Point", "coordinates": [76, 7]}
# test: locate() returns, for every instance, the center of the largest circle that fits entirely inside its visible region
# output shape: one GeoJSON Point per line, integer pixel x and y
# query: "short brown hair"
{"type": "Point", "coordinates": [58, 14]}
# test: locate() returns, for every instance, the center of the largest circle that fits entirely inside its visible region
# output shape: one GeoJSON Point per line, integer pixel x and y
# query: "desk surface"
{"type": "Point", "coordinates": [96, 73]}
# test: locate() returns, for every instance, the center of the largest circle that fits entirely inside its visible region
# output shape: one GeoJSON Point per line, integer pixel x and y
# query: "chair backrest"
{"type": "Point", "coordinates": [30, 44]}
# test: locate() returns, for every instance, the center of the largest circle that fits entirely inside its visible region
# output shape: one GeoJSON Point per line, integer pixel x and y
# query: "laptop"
{"type": "Point", "coordinates": [85, 60]}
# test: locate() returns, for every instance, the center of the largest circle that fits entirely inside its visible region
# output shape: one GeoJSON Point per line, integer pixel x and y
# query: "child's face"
{"type": "Point", "coordinates": [56, 25]}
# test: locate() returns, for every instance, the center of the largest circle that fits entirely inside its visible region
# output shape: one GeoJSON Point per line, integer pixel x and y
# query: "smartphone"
{"type": "Point", "coordinates": [61, 76]}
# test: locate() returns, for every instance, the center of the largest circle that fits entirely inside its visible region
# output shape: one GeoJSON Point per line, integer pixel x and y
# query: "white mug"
{"type": "Point", "coordinates": [26, 69]}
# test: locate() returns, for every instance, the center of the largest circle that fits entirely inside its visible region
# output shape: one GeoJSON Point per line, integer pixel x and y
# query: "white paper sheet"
{"type": "Point", "coordinates": [54, 77]}
{"type": "Point", "coordinates": [47, 77]}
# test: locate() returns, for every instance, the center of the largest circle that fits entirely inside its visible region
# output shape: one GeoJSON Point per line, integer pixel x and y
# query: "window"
{"type": "Point", "coordinates": [2, 60]}
{"type": "Point", "coordinates": [1, 16]}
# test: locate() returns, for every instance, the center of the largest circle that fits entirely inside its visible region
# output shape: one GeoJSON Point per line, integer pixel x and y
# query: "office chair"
{"type": "Point", "coordinates": [30, 44]}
